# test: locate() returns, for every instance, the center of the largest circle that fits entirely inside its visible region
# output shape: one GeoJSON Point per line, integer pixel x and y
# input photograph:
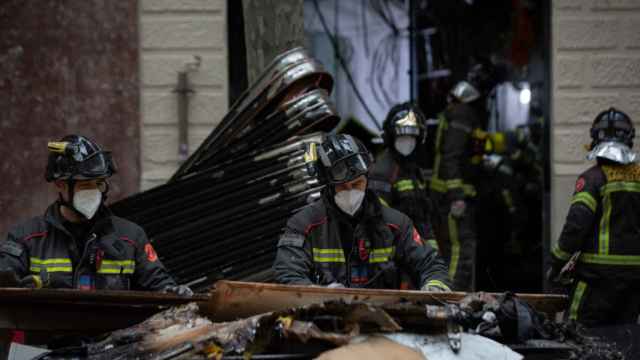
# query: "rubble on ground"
{"type": "Point", "coordinates": [481, 326]}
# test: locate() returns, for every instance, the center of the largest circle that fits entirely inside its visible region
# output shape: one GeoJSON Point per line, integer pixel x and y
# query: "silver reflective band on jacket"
{"type": "Point", "coordinates": [614, 151]}
{"type": "Point", "coordinates": [465, 92]}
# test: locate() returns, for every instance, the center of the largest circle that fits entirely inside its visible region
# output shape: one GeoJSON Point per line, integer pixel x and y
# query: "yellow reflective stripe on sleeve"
{"type": "Point", "coordinates": [455, 247]}
{"type": "Point", "coordinates": [605, 222]}
{"type": "Point", "coordinates": [620, 186]}
{"type": "Point", "coordinates": [437, 283]}
{"type": "Point", "coordinates": [577, 300]}
{"type": "Point", "coordinates": [383, 201]}
{"type": "Point", "coordinates": [36, 269]}
{"type": "Point", "coordinates": [338, 259]}
{"type": "Point", "coordinates": [586, 199]}
{"type": "Point", "coordinates": [454, 183]}
{"type": "Point", "coordinates": [559, 253]}
{"type": "Point", "coordinates": [50, 265]}
{"type": "Point", "coordinates": [116, 271]}
{"type": "Point", "coordinates": [469, 190]}
{"type": "Point", "coordinates": [50, 261]}
{"type": "Point", "coordinates": [337, 255]}
{"type": "Point", "coordinates": [328, 255]}
{"type": "Point", "coordinates": [117, 267]}
{"type": "Point", "coordinates": [443, 186]}
{"type": "Point", "coordinates": [327, 251]}
{"type": "Point", "coordinates": [382, 251]}
{"type": "Point", "coordinates": [404, 185]}
{"type": "Point", "coordinates": [438, 184]}
{"type": "Point", "coordinates": [632, 260]}
{"type": "Point", "coordinates": [434, 244]}
{"type": "Point", "coordinates": [131, 263]}
{"type": "Point", "coordinates": [381, 254]}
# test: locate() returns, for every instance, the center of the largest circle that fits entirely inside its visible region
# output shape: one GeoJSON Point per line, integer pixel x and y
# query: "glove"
{"type": "Point", "coordinates": [458, 208]}
{"type": "Point", "coordinates": [181, 290]}
{"type": "Point", "coordinates": [9, 279]}
{"type": "Point", "coordinates": [432, 287]}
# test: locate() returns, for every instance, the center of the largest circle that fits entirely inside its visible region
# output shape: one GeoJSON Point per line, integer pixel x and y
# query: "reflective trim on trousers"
{"type": "Point", "coordinates": [455, 246]}
{"type": "Point", "coordinates": [577, 300]}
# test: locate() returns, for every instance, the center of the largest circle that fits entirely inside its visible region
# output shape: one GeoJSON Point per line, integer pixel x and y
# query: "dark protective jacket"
{"type": "Point", "coordinates": [116, 256]}
{"type": "Point", "coordinates": [453, 168]}
{"type": "Point", "coordinates": [383, 242]}
{"type": "Point", "coordinates": [604, 223]}
{"type": "Point", "coordinates": [402, 186]}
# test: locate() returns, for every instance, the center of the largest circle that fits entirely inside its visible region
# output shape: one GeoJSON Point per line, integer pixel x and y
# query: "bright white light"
{"type": "Point", "coordinates": [525, 96]}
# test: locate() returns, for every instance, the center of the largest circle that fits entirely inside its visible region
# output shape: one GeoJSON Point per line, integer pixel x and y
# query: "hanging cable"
{"type": "Point", "coordinates": [343, 64]}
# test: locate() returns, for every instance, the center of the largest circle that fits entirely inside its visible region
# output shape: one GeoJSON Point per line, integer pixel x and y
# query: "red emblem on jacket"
{"type": "Point", "coordinates": [416, 237]}
{"type": "Point", "coordinates": [579, 184]}
{"type": "Point", "coordinates": [151, 253]}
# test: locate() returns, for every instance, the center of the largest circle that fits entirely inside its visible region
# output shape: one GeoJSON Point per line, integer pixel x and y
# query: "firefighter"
{"type": "Point", "coordinates": [456, 168]}
{"type": "Point", "coordinates": [347, 238]}
{"type": "Point", "coordinates": [396, 176]}
{"type": "Point", "coordinates": [78, 243]}
{"type": "Point", "coordinates": [599, 247]}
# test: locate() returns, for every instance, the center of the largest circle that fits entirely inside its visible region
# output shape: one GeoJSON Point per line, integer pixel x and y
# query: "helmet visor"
{"type": "Point", "coordinates": [348, 168]}
{"type": "Point", "coordinates": [99, 165]}
{"type": "Point", "coordinates": [407, 130]}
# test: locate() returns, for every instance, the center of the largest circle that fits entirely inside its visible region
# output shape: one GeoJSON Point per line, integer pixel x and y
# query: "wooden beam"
{"type": "Point", "coordinates": [232, 300]}
{"type": "Point", "coordinates": [74, 310]}
{"type": "Point", "coordinates": [64, 310]}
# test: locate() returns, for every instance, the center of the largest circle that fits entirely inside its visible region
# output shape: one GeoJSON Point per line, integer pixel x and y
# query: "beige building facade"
{"type": "Point", "coordinates": [173, 34]}
{"type": "Point", "coordinates": [595, 65]}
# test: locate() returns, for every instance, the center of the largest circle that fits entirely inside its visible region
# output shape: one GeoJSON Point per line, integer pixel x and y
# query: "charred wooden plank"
{"type": "Point", "coordinates": [66, 309]}
{"type": "Point", "coordinates": [232, 300]}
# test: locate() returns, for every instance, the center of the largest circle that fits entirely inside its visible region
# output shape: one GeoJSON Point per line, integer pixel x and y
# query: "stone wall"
{"type": "Point", "coordinates": [596, 64]}
{"type": "Point", "coordinates": [65, 67]}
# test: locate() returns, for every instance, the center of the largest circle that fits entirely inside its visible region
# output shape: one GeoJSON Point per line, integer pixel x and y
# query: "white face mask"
{"type": "Point", "coordinates": [349, 201]}
{"type": "Point", "coordinates": [87, 202]}
{"type": "Point", "coordinates": [405, 144]}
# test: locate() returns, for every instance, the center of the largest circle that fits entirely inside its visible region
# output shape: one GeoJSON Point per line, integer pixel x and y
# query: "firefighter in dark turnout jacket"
{"type": "Point", "coordinates": [347, 238]}
{"type": "Point", "coordinates": [455, 171]}
{"type": "Point", "coordinates": [78, 243]}
{"type": "Point", "coordinates": [396, 175]}
{"type": "Point", "coordinates": [602, 229]}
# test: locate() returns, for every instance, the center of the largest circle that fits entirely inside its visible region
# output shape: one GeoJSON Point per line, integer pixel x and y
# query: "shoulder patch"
{"type": "Point", "coordinates": [151, 253]}
{"type": "Point", "coordinates": [580, 184]}
{"type": "Point", "coordinates": [11, 248]}
{"type": "Point", "coordinates": [291, 239]}
{"type": "Point", "coordinates": [416, 237]}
